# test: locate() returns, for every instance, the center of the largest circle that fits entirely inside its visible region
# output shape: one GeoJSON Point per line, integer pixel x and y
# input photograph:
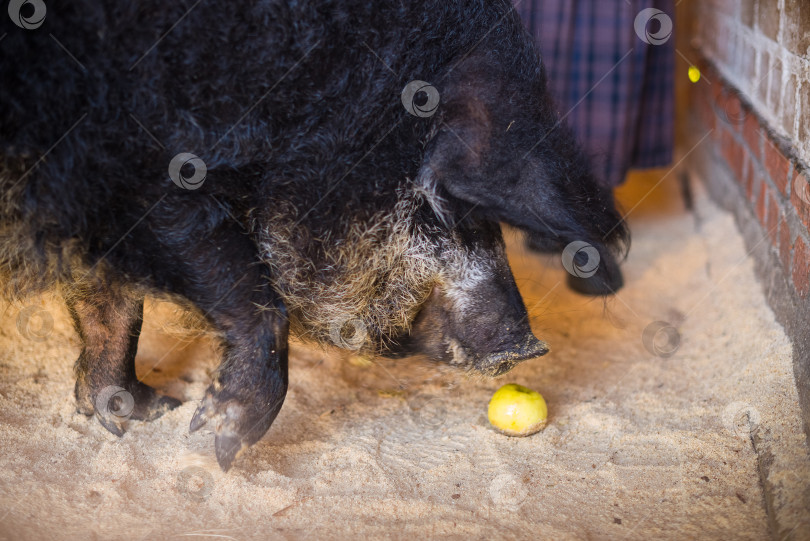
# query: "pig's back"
{"type": "Point", "coordinates": [297, 100]}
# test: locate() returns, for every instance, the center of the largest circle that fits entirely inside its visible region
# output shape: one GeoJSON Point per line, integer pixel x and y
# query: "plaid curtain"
{"type": "Point", "coordinates": [611, 69]}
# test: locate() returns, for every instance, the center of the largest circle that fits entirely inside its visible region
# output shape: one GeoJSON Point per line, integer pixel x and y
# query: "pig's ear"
{"type": "Point", "coordinates": [462, 140]}
{"type": "Point", "coordinates": [460, 152]}
{"type": "Point", "coordinates": [532, 195]}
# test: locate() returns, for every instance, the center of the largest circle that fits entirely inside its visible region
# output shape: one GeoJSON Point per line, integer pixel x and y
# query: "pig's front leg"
{"type": "Point", "coordinates": [250, 384]}
{"type": "Point", "coordinates": [219, 270]}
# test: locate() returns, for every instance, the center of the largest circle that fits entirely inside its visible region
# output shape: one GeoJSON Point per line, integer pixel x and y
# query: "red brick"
{"type": "Point", "coordinates": [717, 92]}
{"type": "Point", "coordinates": [772, 219]}
{"type": "Point", "coordinates": [746, 170]}
{"type": "Point", "coordinates": [732, 153]}
{"type": "Point", "coordinates": [752, 134]}
{"type": "Point", "coordinates": [801, 185]}
{"type": "Point", "coordinates": [761, 203]}
{"type": "Point", "coordinates": [707, 69]}
{"type": "Point", "coordinates": [749, 177]}
{"type": "Point", "coordinates": [733, 111]}
{"type": "Point", "coordinates": [785, 244]}
{"type": "Point", "coordinates": [709, 116]}
{"type": "Point", "coordinates": [801, 267]}
{"type": "Point", "coordinates": [776, 165]}
{"type": "Point", "coordinates": [700, 98]}
{"type": "Point", "coordinates": [723, 141]}
{"type": "Point", "coordinates": [728, 106]}
{"type": "Point", "coordinates": [738, 160]}
{"type": "Point", "coordinates": [719, 133]}
{"type": "Point", "coordinates": [756, 186]}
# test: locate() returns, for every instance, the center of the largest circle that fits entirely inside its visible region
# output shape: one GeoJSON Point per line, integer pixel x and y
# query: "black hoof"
{"type": "Point", "coordinates": [237, 424]}
{"type": "Point", "coordinates": [114, 405]}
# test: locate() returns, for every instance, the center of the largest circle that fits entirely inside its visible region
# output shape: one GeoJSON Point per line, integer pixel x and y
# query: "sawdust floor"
{"type": "Point", "coordinates": [638, 446]}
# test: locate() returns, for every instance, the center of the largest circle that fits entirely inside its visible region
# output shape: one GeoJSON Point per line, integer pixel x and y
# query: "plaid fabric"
{"type": "Point", "coordinates": [616, 90]}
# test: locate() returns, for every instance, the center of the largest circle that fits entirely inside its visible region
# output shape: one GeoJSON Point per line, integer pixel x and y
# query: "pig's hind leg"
{"type": "Point", "coordinates": [109, 323]}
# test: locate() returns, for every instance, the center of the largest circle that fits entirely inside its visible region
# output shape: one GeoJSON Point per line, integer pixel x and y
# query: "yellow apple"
{"type": "Point", "coordinates": [517, 411]}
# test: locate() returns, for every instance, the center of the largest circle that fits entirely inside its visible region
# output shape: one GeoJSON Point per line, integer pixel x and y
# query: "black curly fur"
{"type": "Point", "coordinates": [293, 102]}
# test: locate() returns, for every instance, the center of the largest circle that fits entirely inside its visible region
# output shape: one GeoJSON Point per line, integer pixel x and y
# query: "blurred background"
{"type": "Point", "coordinates": [718, 90]}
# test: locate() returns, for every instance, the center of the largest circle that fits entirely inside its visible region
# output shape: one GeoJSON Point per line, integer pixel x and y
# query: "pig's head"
{"type": "Point", "coordinates": [474, 317]}
{"type": "Point", "coordinates": [427, 277]}
{"type": "Point", "coordinates": [501, 146]}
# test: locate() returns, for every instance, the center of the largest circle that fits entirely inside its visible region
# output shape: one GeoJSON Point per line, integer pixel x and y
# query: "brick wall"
{"type": "Point", "coordinates": [762, 48]}
{"type": "Point", "coordinates": [745, 129]}
{"type": "Point", "coordinates": [766, 166]}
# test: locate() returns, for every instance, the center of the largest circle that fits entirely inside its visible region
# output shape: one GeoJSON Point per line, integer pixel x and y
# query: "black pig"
{"type": "Point", "coordinates": [262, 162]}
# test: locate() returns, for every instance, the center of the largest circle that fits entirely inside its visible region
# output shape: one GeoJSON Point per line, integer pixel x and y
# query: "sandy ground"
{"type": "Point", "coordinates": [639, 446]}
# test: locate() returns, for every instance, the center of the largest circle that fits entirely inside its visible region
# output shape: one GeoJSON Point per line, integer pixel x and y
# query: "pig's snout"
{"type": "Point", "coordinates": [485, 330]}
{"type": "Point", "coordinates": [503, 361]}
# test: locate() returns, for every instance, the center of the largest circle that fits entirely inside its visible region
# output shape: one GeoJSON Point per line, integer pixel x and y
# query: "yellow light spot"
{"type": "Point", "coordinates": [694, 74]}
